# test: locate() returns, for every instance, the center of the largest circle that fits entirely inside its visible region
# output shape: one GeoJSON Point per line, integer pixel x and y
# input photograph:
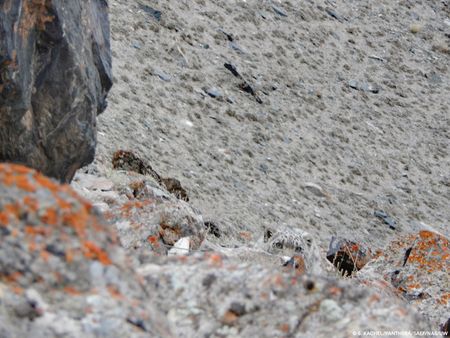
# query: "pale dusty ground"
{"type": "Point", "coordinates": [245, 165]}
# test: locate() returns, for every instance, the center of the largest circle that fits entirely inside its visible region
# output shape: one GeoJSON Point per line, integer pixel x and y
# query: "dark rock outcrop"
{"type": "Point", "coordinates": [55, 73]}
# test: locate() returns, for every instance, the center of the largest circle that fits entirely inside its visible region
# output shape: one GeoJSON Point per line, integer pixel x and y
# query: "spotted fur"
{"type": "Point", "coordinates": [284, 241]}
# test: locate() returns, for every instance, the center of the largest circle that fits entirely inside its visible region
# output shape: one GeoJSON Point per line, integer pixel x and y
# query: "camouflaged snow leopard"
{"type": "Point", "coordinates": [284, 241]}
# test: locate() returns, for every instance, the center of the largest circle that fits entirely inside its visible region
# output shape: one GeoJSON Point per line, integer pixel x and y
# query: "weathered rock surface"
{"type": "Point", "coordinates": [415, 267]}
{"type": "Point", "coordinates": [62, 271]}
{"type": "Point", "coordinates": [209, 295]}
{"type": "Point", "coordinates": [55, 73]}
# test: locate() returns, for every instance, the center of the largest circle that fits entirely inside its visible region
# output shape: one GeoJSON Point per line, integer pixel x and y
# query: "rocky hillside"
{"type": "Point", "coordinates": [263, 169]}
{"type": "Point", "coordinates": [311, 114]}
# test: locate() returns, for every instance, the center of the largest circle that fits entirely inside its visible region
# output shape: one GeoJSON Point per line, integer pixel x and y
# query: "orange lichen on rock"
{"type": "Point", "coordinates": [71, 291]}
{"type": "Point", "coordinates": [127, 208]}
{"type": "Point", "coordinates": [31, 202]}
{"type": "Point", "coordinates": [92, 251]}
{"type": "Point", "coordinates": [445, 298]}
{"type": "Point", "coordinates": [33, 205]}
{"type": "Point", "coordinates": [4, 218]}
{"type": "Point", "coordinates": [430, 252]}
{"type": "Point", "coordinates": [12, 277]}
{"type": "Point", "coordinates": [115, 293]}
{"type": "Point", "coordinates": [12, 210]}
{"type": "Point", "coordinates": [22, 182]}
{"type": "Point", "coordinates": [77, 220]}
{"type": "Point", "coordinates": [215, 259]}
{"type": "Point", "coordinates": [50, 216]}
{"type": "Point", "coordinates": [35, 231]}
{"type": "Point", "coordinates": [284, 327]}
{"type": "Point", "coordinates": [45, 182]}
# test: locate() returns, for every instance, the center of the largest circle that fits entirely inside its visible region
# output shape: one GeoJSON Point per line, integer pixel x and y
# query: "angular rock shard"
{"type": "Point", "coordinates": [347, 256]}
{"type": "Point", "coordinates": [55, 73]}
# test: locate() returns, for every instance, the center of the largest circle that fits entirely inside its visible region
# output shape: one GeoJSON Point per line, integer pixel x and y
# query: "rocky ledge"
{"type": "Point", "coordinates": [69, 270]}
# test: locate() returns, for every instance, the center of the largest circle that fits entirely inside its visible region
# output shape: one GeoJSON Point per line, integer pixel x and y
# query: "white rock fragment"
{"type": "Point", "coordinates": [92, 182]}
{"type": "Point", "coordinates": [180, 248]}
{"type": "Point", "coordinates": [149, 269]}
{"type": "Point", "coordinates": [315, 189]}
{"type": "Point", "coordinates": [101, 207]}
{"type": "Point", "coordinates": [331, 311]}
{"type": "Point", "coordinates": [33, 297]}
{"type": "Point", "coordinates": [187, 123]}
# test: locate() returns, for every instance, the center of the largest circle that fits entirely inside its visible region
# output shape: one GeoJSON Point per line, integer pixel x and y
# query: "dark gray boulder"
{"type": "Point", "coordinates": [55, 73]}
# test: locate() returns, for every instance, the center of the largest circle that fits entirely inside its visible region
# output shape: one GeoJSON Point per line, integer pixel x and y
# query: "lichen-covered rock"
{"type": "Point", "coordinates": [55, 73]}
{"type": "Point", "coordinates": [154, 222]}
{"type": "Point", "coordinates": [416, 267]}
{"type": "Point", "coordinates": [62, 272]}
{"type": "Point", "coordinates": [208, 295]}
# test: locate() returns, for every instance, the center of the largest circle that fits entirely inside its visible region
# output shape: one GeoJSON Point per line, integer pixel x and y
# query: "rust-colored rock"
{"type": "Point", "coordinates": [416, 267]}
{"type": "Point", "coordinates": [127, 160]}
{"type": "Point", "coordinates": [347, 256]}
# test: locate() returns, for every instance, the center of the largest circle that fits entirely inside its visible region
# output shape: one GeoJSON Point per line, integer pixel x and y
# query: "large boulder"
{"type": "Point", "coordinates": [55, 73]}
{"type": "Point", "coordinates": [62, 271]}
{"type": "Point", "coordinates": [415, 267]}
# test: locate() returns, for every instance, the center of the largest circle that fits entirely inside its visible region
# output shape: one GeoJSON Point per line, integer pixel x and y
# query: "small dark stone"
{"type": "Point", "coordinates": [386, 218]}
{"type": "Point", "coordinates": [280, 11]}
{"type": "Point", "coordinates": [152, 12]}
{"type": "Point", "coordinates": [416, 295]}
{"type": "Point", "coordinates": [163, 76]}
{"type": "Point", "coordinates": [333, 14]}
{"type": "Point", "coordinates": [365, 87]}
{"type": "Point", "coordinates": [209, 280]}
{"type": "Point", "coordinates": [236, 47]}
{"type": "Point", "coordinates": [54, 250]}
{"type": "Point", "coordinates": [407, 253]}
{"type": "Point", "coordinates": [213, 229]}
{"type": "Point", "coordinates": [309, 285]}
{"type": "Point", "coordinates": [229, 36]}
{"type": "Point", "coordinates": [213, 92]}
{"type": "Point", "coordinates": [232, 68]}
{"type": "Point", "coordinates": [237, 308]}
{"type": "Point", "coordinates": [139, 323]}
{"type": "Point", "coordinates": [264, 168]}
{"type": "Point", "coordinates": [4, 231]}
{"type": "Point", "coordinates": [174, 187]}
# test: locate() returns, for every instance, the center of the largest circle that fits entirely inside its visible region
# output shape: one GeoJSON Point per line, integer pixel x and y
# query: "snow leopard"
{"type": "Point", "coordinates": [290, 241]}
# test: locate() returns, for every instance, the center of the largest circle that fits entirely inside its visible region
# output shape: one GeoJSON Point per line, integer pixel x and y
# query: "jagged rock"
{"type": "Point", "coordinates": [55, 73]}
{"type": "Point", "coordinates": [416, 267]}
{"type": "Point", "coordinates": [153, 221]}
{"type": "Point", "coordinates": [62, 272]}
{"type": "Point", "coordinates": [347, 256]}
{"type": "Point", "coordinates": [174, 186]}
{"type": "Point", "coordinates": [211, 295]}
{"type": "Point", "coordinates": [127, 160]}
